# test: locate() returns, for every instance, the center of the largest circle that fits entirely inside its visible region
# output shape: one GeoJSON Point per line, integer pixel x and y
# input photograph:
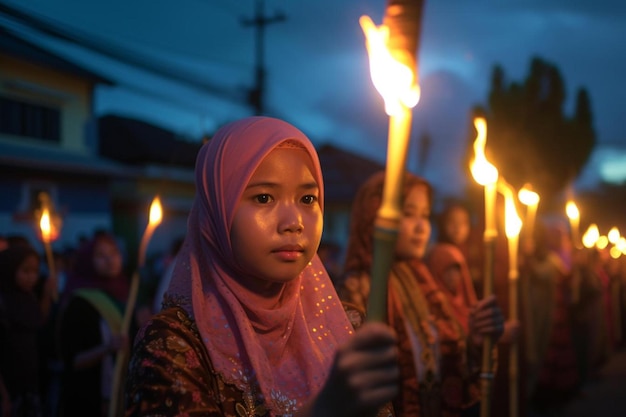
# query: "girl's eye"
{"type": "Point", "coordinates": [309, 199]}
{"type": "Point", "coordinates": [263, 198]}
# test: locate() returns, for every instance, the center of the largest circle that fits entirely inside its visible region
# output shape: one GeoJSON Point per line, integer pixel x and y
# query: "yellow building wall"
{"type": "Point", "coordinates": [41, 85]}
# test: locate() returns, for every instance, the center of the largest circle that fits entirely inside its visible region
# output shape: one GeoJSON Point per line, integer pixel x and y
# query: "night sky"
{"type": "Point", "coordinates": [318, 75]}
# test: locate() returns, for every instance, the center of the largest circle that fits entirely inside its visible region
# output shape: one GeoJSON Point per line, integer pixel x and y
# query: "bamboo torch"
{"type": "Point", "coordinates": [512, 227]}
{"type": "Point", "coordinates": [392, 49]}
{"type": "Point", "coordinates": [486, 174]}
{"type": "Point", "coordinates": [155, 217]}
{"type": "Point", "coordinates": [531, 200]}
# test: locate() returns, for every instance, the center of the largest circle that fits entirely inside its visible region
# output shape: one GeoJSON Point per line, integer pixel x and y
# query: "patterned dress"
{"type": "Point", "coordinates": [170, 374]}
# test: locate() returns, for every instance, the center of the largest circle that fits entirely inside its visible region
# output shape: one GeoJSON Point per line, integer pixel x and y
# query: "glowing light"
{"type": "Point", "coordinates": [602, 242]}
{"type": "Point", "coordinates": [528, 197]}
{"type": "Point", "coordinates": [156, 212]}
{"type": "Point", "coordinates": [483, 171]}
{"type": "Point", "coordinates": [615, 252]}
{"type": "Point", "coordinates": [395, 81]}
{"type": "Point", "coordinates": [591, 236]}
{"type": "Point", "coordinates": [613, 235]}
{"type": "Point", "coordinates": [46, 225]}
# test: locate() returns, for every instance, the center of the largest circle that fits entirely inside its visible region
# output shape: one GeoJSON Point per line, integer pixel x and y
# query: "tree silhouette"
{"type": "Point", "coordinates": [530, 139]}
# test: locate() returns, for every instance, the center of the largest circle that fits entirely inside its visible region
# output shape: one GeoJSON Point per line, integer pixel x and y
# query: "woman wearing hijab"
{"type": "Point", "coordinates": [251, 324]}
{"type": "Point", "coordinates": [89, 325]}
{"type": "Point", "coordinates": [435, 372]}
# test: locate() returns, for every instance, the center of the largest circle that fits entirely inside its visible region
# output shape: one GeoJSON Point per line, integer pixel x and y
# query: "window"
{"type": "Point", "coordinates": [29, 120]}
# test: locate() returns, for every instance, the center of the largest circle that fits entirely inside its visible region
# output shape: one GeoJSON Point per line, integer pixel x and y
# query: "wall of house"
{"type": "Point", "coordinates": [25, 81]}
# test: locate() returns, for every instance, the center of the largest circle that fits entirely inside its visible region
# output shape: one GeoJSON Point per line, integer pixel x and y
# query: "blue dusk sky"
{"type": "Point", "coordinates": [317, 70]}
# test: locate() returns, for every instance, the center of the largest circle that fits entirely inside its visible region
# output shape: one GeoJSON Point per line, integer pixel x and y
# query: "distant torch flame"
{"type": "Point", "coordinates": [572, 211]}
{"type": "Point", "coordinates": [513, 223]}
{"type": "Point", "coordinates": [156, 212]}
{"type": "Point", "coordinates": [591, 236]}
{"type": "Point", "coordinates": [46, 226]}
{"type": "Point", "coordinates": [528, 197]}
{"type": "Point", "coordinates": [482, 170]}
{"type": "Point", "coordinates": [395, 81]}
{"type": "Point", "coordinates": [613, 235]}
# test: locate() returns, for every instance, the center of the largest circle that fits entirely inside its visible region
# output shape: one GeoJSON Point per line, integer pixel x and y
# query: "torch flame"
{"type": "Point", "coordinates": [156, 212]}
{"type": "Point", "coordinates": [613, 235]}
{"type": "Point", "coordinates": [482, 170]}
{"type": "Point", "coordinates": [591, 236]}
{"type": "Point", "coordinates": [528, 197]}
{"type": "Point", "coordinates": [46, 225]}
{"type": "Point", "coordinates": [513, 223]}
{"type": "Point", "coordinates": [395, 81]}
{"type": "Point", "coordinates": [571, 210]}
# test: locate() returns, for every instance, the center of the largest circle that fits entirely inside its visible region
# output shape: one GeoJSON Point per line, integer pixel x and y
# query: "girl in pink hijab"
{"type": "Point", "coordinates": [251, 324]}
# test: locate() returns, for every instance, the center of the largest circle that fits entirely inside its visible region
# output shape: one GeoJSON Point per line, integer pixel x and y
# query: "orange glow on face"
{"type": "Point", "coordinates": [395, 81]}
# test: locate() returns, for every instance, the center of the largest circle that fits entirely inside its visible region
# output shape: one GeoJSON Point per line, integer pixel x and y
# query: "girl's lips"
{"type": "Point", "coordinates": [289, 252]}
{"type": "Point", "coordinates": [288, 255]}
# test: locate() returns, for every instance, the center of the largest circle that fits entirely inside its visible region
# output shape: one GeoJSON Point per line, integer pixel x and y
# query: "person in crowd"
{"type": "Point", "coordinates": [436, 376]}
{"type": "Point", "coordinates": [89, 326]}
{"type": "Point", "coordinates": [549, 357]}
{"type": "Point", "coordinates": [251, 324]}
{"type": "Point", "coordinates": [22, 314]}
{"type": "Point", "coordinates": [449, 269]}
{"type": "Point", "coordinates": [455, 226]}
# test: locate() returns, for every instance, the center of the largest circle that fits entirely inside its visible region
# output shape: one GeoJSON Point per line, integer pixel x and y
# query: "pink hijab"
{"type": "Point", "coordinates": [283, 353]}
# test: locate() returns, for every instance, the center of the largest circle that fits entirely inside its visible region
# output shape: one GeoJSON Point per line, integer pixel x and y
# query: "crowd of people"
{"type": "Point", "coordinates": [244, 317]}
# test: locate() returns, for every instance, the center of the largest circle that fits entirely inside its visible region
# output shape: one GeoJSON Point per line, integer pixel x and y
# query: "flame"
{"type": "Point", "coordinates": [395, 81]}
{"type": "Point", "coordinates": [591, 236]}
{"type": "Point", "coordinates": [482, 170]}
{"type": "Point", "coordinates": [45, 225]}
{"type": "Point", "coordinates": [572, 211]}
{"type": "Point", "coordinates": [527, 196]}
{"type": "Point", "coordinates": [621, 244]}
{"type": "Point", "coordinates": [156, 212]}
{"type": "Point", "coordinates": [512, 221]}
{"type": "Point", "coordinates": [615, 252]}
{"type": "Point", "coordinates": [613, 235]}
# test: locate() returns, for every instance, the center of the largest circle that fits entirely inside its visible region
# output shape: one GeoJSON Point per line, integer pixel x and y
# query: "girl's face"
{"type": "Point", "coordinates": [27, 274]}
{"type": "Point", "coordinates": [457, 226]}
{"type": "Point", "coordinates": [277, 225]}
{"type": "Point", "coordinates": [107, 260]}
{"type": "Point", "coordinates": [415, 225]}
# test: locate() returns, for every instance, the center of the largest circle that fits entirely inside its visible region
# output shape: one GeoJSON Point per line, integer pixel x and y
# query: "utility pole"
{"type": "Point", "coordinates": [255, 96]}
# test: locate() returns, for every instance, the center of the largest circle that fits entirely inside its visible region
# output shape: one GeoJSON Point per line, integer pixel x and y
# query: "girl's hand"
{"type": "Point", "coordinates": [486, 320]}
{"type": "Point", "coordinates": [364, 376]}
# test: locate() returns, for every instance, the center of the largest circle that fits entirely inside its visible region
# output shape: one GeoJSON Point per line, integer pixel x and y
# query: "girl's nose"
{"type": "Point", "coordinates": [290, 220]}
